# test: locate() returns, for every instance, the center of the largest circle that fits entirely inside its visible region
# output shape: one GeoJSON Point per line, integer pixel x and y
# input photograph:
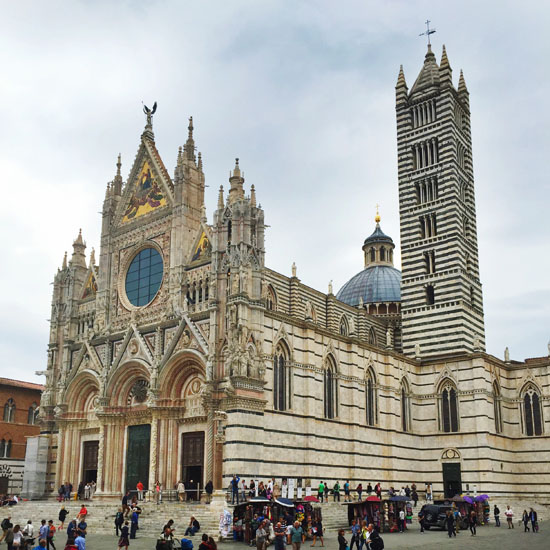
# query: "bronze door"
{"type": "Point", "coordinates": [192, 455]}
{"type": "Point", "coordinates": [89, 463]}
{"type": "Point", "coordinates": [137, 456]}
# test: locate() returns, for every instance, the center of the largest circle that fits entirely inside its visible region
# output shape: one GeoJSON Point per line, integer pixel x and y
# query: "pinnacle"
{"type": "Point", "coordinates": [252, 195]}
{"type": "Point", "coordinates": [64, 265]}
{"type": "Point", "coordinates": [401, 83]}
{"type": "Point", "coordinates": [462, 83]}
{"type": "Point", "coordinates": [444, 60]}
{"type": "Point", "coordinates": [220, 198]}
{"type": "Point", "coordinates": [236, 170]}
{"type": "Point", "coordinates": [79, 241]}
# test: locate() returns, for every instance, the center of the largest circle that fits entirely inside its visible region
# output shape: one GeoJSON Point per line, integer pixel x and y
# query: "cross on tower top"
{"type": "Point", "coordinates": [428, 31]}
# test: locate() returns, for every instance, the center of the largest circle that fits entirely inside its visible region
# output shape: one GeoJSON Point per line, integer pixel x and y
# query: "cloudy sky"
{"type": "Point", "coordinates": [303, 93]}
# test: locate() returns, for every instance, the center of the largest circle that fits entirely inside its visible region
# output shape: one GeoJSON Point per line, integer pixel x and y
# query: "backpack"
{"type": "Point", "coordinates": [5, 524]}
{"type": "Point", "coordinates": [377, 543]}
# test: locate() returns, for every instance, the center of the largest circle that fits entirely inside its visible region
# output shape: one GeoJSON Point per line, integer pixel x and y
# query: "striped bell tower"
{"type": "Point", "coordinates": [441, 297]}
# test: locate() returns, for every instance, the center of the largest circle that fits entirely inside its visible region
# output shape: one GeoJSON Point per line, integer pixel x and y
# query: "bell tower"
{"type": "Point", "coordinates": [441, 296]}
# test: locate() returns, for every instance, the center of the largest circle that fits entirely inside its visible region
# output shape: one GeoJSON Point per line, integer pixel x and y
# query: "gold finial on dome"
{"type": "Point", "coordinates": [377, 217]}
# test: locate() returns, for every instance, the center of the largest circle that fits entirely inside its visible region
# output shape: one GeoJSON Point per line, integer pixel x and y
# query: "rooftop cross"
{"type": "Point", "coordinates": [428, 31]}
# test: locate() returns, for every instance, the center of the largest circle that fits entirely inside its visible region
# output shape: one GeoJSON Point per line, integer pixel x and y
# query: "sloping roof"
{"type": "Point", "coordinates": [429, 74]}
{"type": "Point", "coordinates": [21, 384]}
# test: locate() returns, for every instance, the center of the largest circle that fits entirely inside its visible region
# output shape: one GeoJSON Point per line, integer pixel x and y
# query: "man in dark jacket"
{"type": "Point", "coordinates": [235, 489]}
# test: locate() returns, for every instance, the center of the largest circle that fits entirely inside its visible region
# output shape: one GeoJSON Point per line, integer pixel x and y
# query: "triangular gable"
{"type": "Point", "coordinates": [149, 186]}
{"type": "Point", "coordinates": [90, 288]}
{"type": "Point", "coordinates": [202, 247]}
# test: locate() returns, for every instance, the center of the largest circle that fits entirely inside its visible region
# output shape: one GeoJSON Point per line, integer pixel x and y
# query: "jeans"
{"type": "Point", "coordinates": [497, 521]}
{"type": "Point", "coordinates": [235, 493]}
{"type": "Point", "coordinates": [191, 530]}
{"type": "Point", "coordinates": [133, 529]}
{"type": "Point", "coordinates": [50, 543]}
{"type": "Point", "coordinates": [296, 545]}
{"type": "Point", "coordinates": [473, 528]}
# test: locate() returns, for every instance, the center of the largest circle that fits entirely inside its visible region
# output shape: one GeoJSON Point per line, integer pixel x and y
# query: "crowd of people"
{"type": "Point", "coordinates": [84, 491]}
{"type": "Point", "coordinates": [7, 500]}
{"type": "Point", "coordinates": [17, 538]}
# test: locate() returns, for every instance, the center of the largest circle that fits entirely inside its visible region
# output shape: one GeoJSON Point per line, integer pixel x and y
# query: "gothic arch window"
{"type": "Point", "coordinates": [271, 300]}
{"type": "Point", "coordinates": [532, 413]}
{"type": "Point", "coordinates": [405, 406]}
{"type": "Point", "coordinates": [330, 383]}
{"type": "Point", "coordinates": [282, 379]}
{"type": "Point", "coordinates": [33, 414]}
{"type": "Point", "coordinates": [9, 410]}
{"type": "Point", "coordinates": [497, 408]}
{"type": "Point", "coordinates": [344, 326]}
{"type": "Point", "coordinates": [448, 413]}
{"type": "Point", "coordinates": [370, 398]}
{"type": "Point", "coordinates": [5, 448]}
{"type": "Point", "coordinates": [372, 336]}
{"type": "Point", "coordinates": [229, 231]}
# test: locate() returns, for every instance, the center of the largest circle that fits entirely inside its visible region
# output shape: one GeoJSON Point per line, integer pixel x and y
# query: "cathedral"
{"type": "Point", "coordinates": [176, 353]}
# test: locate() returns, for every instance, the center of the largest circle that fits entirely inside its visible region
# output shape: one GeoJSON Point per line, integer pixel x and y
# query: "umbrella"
{"type": "Point", "coordinates": [481, 498]}
{"type": "Point", "coordinates": [258, 499]}
{"type": "Point", "coordinates": [399, 498]}
{"type": "Point", "coordinates": [311, 498]}
{"type": "Point", "coordinates": [457, 498]}
{"type": "Point", "coordinates": [372, 498]}
{"type": "Point", "coordinates": [468, 499]}
{"type": "Point", "coordinates": [285, 502]}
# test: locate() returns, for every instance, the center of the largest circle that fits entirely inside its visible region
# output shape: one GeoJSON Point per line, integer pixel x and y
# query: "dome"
{"type": "Point", "coordinates": [376, 283]}
{"type": "Point", "coordinates": [378, 236]}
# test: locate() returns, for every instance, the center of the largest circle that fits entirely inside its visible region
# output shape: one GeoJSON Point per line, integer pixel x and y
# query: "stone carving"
{"type": "Point", "coordinates": [294, 269]}
{"type": "Point", "coordinates": [138, 393]}
{"type": "Point", "coordinates": [133, 347]}
{"type": "Point", "coordinates": [417, 351]}
{"type": "Point", "coordinates": [506, 355]}
{"type": "Point", "coordinates": [308, 310]}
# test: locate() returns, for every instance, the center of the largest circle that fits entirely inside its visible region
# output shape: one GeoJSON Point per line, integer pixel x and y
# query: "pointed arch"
{"type": "Point", "coordinates": [179, 374]}
{"type": "Point", "coordinates": [9, 410]}
{"type": "Point", "coordinates": [32, 417]}
{"type": "Point", "coordinates": [82, 391]}
{"type": "Point", "coordinates": [344, 326]}
{"type": "Point", "coordinates": [271, 298]}
{"type": "Point", "coordinates": [405, 396]}
{"type": "Point", "coordinates": [123, 381]}
{"type": "Point", "coordinates": [497, 410]}
{"type": "Point", "coordinates": [532, 419]}
{"type": "Point", "coordinates": [448, 406]}
{"type": "Point", "coordinates": [282, 377]}
{"type": "Point", "coordinates": [330, 387]}
{"type": "Point", "coordinates": [371, 398]}
{"type": "Point", "coordinates": [372, 337]}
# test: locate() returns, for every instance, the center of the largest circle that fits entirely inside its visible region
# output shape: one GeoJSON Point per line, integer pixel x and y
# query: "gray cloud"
{"type": "Point", "coordinates": [303, 94]}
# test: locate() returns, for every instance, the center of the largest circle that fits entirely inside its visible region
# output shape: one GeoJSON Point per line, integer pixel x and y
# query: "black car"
{"type": "Point", "coordinates": [435, 515]}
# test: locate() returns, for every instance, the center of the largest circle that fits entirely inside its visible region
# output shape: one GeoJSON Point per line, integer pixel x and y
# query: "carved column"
{"type": "Point", "coordinates": [209, 444]}
{"type": "Point", "coordinates": [153, 451]}
{"type": "Point", "coordinates": [100, 451]}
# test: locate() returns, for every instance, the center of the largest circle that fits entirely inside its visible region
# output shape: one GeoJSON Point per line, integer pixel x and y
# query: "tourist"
{"type": "Point", "coordinates": [61, 493]}
{"type": "Point", "coordinates": [87, 491]}
{"type": "Point", "coordinates": [71, 530]}
{"type": "Point", "coordinates": [458, 519]}
{"type": "Point", "coordinates": [336, 491]}
{"type": "Point", "coordinates": [414, 497]}
{"type": "Point", "coordinates": [194, 527]}
{"type": "Point", "coordinates": [28, 531]}
{"type": "Point", "coordinates": [180, 489]}
{"type": "Point", "coordinates": [212, 544]}
{"type": "Point", "coordinates": [62, 517]}
{"type": "Point", "coordinates": [44, 530]}
{"type": "Point", "coordinates": [6, 524]}
{"type": "Point", "coordinates": [209, 489]}
{"type": "Point", "coordinates": [407, 491]}
{"type": "Point", "coordinates": [359, 490]}
{"type": "Point", "coordinates": [93, 487]}
{"type": "Point", "coordinates": [80, 492]}
{"type": "Point", "coordinates": [134, 524]}
{"type": "Point", "coordinates": [364, 535]}
{"type": "Point", "coordinates": [8, 537]}
{"type": "Point", "coordinates": [525, 519]}
{"type": "Point", "coordinates": [68, 490]}
{"type": "Point", "coordinates": [321, 491]}
{"type": "Point", "coordinates": [251, 488]}
{"type": "Point", "coordinates": [276, 490]}
{"type": "Point", "coordinates": [450, 523]}
{"type": "Point", "coordinates": [119, 521]}
{"type": "Point", "coordinates": [401, 520]}
{"type": "Point", "coordinates": [428, 491]}
{"type": "Point", "coordinates": [369, 488]}
{"type": "Point", "coordinates": [82, 527]}
{"type": "Point", "coordinates": [204, 545]}
{"type": "Point", "coordinates": [17, 537]}
{"type": "Point", "coordinates": [472, 522]}
{"type": "Point", "coordinates": [235, 489]}
{"type": "Point", "coordinates": [509, 517]}
{"type": "Point", "coordinates": [158, 492]}
{"type": "Point", "coordinates": [327, 491]}
{"type": "Point", "coordinates": [355, 534]}
{"type": "Point", "coordinates": [296, 533]}
{"type": "Point", "coordinates": [279, 541]}
{"type": "Point", "coordinates": [421, 520]}
{"type": "Point", "coordinates": [261, 536]}
{"type": "Point", "coordinates": [125, 504]}
{"type": "Point", "coordinates": [347, 493]}
{"type": "Point", "coordinates": [123, 541]}
{"type": "Point", "coordinates": [318, 532]}
{"type": "Point", "coordinates": [83, 513]}
{"type": "Point", "coordinates": [496, 513]}
{"type": "Point", "coordinates": [342, 542]}
{"type": "Point", "coordinates": [378, 490]}
{"type": "Point", "coordinates": [51, 534]}
{"type": "Point", "coordinates": [262, 492]}
{"type": "Point", "coordinates": [533, 517]}
{"type": "Point", "coordinates": [80, 542]}
{"type": "Point", "coordinates": [41, 545]}
{"type": "Point", "coordinates": [375, 540]}
{"type": "Point", "coordinates": [139, 488]}
{"type": "Point", "coordinates": [402, 492]}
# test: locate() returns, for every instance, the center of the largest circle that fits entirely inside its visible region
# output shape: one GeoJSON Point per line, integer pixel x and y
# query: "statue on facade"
{"type": "Point", "coordinates": [506, 355]}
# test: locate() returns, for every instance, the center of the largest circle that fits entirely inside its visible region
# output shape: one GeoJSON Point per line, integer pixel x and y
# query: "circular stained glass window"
{"type": "Point", "coordinates": [144, 277]}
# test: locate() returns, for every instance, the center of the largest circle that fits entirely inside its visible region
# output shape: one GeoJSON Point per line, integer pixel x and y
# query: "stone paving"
{"type": "Point", "coordinates": [488, 538]}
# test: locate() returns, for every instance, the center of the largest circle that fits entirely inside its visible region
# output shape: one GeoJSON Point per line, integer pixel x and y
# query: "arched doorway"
{"type": "Point", "coordinates": [452, 473]}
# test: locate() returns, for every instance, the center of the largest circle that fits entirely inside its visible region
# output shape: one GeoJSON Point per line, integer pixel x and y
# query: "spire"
{"type": "Point", "coordinates": [117, 183]}
{"type": "Point", "coordinates": [64, 264]}
{"type": "Point", "coordinates": [92, 258]}
{"type": "Point", "coordinates": [189, 147]}
{"type": "Point", "coordinates": [401, 89]}
{"type": "Point", "coordinates": [401, 83]}
{"type": "Point", "coordinates": [462, 84]}
{"type": "Point", "coordinates": [220, 198]}
{"type": "Point", "coordinates": [445, 71]}
{"type": "Point", "coordinates": [236, 191]}
{"type": "Point", "coordinates": [377, 217]}
{"type": "Point", "coordinates": [252, 195]}
{"type": "Point", "coordinates": [79, 246]}
{"type": "Point", "coordinates": [204, 219]}
{"type": "Point", "coordinates": [180, 156]}
{"type": "Point", "coordinates": [429, 74]}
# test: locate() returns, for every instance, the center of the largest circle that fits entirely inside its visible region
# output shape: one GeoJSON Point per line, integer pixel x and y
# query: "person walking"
{"type": "Point", "coordinates": [534, 523]}
{"type": "Point", "coordinates": [525, 519]}
{"type": "Point", "coordinates": [401, 521]}
{"type": "Point", "coordinates": [472, 522]}
{"type": "Point", "coordinates": [296, 535]}
{"type": "Point", "coordinates": [347, 491]}
{"type": "Point", "coordinates": [450, 524]}
{"type": "Point", "coordinates": [359, 490]}
{"type": "Point", "coordinates": [44, 530]}
{"type": "Point", "coordinates": [123, 541]}
{"type": "Point", "coordinates": [414, 497]}
{"type": "Point", "coordinates": [421, 520]}
{"type": "Point", "coordinates": [62, 517]}
{"type": "Point", "coordinates": [364, 535]}
{"type": "Point", "coordinates": [355, 530]}
{"type": "Point", "coordinates": [134, 524]}
{"type": "Point", "coordinates": [280, 533]}
{"type": "Point", "coordinates": [181, 490]}
{"type": "Point", "coordinates": [327, 491]}
{"type": "Point", "coordinates": [119, 521]}
{"type": "Point", "coordinates": [318, 533]}
{"type": "Point", "coordinates": [496, 513]}
{"type": "Point", "coordinates": [378, 490]}
{"type": "Point", "coordinates": [509, 517]}
{"type": "Point", "coordinates": [17, 537]}
{"type": "Point", "coordinates": [261, 536]}
{"type": "Point", "coordinates": [321, 491]}
{"type": "Point", "coordinates": [342, 542]}
{"type": "Point", "coordinates": [158, 491]}
{"type": "Point", "coordinates": [336, 491]}
{"type": "Point", "coordinates": [369, 488]}
{"type": "Point", "coordinates": [51, 534]}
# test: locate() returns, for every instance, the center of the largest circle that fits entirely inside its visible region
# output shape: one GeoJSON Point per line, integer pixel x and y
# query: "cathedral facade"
{"type": "Point", "coordinates": [178, 354]}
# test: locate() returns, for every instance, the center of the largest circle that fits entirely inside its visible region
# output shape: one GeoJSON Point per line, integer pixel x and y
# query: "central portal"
{"type": "Point", "coordinates": [137, 456]}
{"type": "Point", "coordinates": [192, 463]}
{"type": "Point", "coordinates": [89, 461]}
{"type": "Point", "coordinates": [452, 479]}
